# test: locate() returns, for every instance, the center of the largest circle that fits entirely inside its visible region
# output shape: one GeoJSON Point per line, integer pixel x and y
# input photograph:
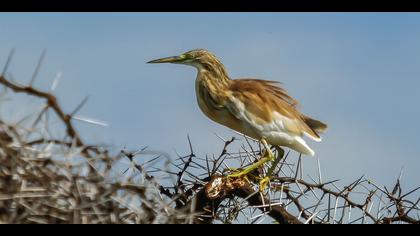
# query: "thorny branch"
{"type": "Point", "coordinates": [51, 102]}
{"type": "Point", "coordinates": [53, 180]}
{"type": "Point", "coordinates": [38, 185]}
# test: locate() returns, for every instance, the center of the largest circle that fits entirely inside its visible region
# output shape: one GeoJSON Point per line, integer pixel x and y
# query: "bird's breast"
{"type": "Point", "coordinates": [219, 115]}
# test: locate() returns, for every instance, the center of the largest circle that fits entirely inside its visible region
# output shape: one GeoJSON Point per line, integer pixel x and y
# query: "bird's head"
{"type": "Point", "coordinates": [199, 58]}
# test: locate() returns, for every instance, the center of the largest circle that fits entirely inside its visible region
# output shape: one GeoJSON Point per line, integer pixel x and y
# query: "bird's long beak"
{"type": "Point", "coordinates": [174, 59]}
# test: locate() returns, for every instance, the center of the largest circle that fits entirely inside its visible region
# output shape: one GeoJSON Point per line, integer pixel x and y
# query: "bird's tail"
{"type": "Point", "coordinates": [300, 145]}
{"type": "Point", "coordinates": [315, 125]}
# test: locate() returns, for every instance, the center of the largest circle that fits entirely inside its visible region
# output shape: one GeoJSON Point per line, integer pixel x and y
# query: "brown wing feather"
{"type": "Point", "coordinates": [267, 85]}
{"type": "Point", "coordinates": [262, 97]}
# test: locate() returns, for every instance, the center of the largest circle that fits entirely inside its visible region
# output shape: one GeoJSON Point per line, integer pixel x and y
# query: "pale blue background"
{"type": "Point", "coordinates": [358, 72]}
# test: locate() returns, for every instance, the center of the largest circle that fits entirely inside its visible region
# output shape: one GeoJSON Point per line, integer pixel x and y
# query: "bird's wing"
{"type": "Point", "coordinates": [261, 102]}
{"type": "Point", "coordinates": [257, 85]}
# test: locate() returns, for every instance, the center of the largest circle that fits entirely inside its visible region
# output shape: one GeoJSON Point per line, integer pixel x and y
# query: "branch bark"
{"type": "Point", "coordinates": [220, 188]}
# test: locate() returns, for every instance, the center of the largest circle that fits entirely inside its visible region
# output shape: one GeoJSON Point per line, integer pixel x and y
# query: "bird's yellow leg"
{"type": "Point", "coordinates": [266, 180]}
{"type": "Point", "coordinates": [268, 156]}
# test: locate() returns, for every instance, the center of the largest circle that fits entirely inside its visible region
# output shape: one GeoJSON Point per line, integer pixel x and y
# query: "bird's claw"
{"type": "Point", "coordinates": [238, 175]}
{"type": "Point", "coordinates": [264, 183]}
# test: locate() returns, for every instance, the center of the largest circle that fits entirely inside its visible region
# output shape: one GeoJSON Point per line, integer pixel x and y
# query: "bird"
{"type": "Point", "coordinates": [259, 109]}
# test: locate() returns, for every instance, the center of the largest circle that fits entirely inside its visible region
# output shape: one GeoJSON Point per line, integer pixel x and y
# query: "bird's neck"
{"type": "Point", "coordinates": [216, 77]}
{"type": "Point", "coordinates": [211, 90]}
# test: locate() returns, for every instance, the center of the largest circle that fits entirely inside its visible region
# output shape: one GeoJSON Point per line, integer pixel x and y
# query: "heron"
{"type": "Point", "coordinates": [259, 109]}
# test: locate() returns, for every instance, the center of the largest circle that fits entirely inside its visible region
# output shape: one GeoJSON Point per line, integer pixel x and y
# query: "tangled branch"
{"type": "Point", "coordinates": [64, 180]}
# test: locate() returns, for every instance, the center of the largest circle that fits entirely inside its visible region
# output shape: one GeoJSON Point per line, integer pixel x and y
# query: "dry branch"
{"type": "Point", "coordinates": [54, 180]}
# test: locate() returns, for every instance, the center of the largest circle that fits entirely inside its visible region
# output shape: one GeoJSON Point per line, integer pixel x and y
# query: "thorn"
{"type": "Point", "coordinates": [91, 121]}
{"type": "Point", "coordinates": [38, 67]}
{"type": "Point", "coordinates": [410, 192]}
{"type": "Point", "coordinates": [9, 60]}
{"type": "Point", "coordinates": [56, 81]}
{"type": "Point", "coordinates": [319, 170]}
{"type": "Point", "coordinates": [79, 106]}
{"type": "Point", "coordinates": [401, 173]}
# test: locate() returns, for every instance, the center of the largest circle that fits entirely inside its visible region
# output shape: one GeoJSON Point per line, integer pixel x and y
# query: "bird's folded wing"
{"type": "Point", "coordinates": [265, 106]}
{"type": "Point", "coordinates": [258, 116]}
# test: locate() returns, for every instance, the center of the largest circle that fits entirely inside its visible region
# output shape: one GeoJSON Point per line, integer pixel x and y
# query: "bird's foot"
{"type": "Point", "coordinates": [264, 182]}
{"type": "Point", "coordinates": [268, 156]}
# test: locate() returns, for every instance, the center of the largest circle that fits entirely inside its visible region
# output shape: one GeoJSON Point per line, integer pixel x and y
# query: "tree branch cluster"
{"type": "Point", "coordinates": [64, 180]}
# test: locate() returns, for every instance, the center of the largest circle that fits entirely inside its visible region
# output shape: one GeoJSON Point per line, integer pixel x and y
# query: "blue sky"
{"type": "Point", "coordinates": [358, 72]}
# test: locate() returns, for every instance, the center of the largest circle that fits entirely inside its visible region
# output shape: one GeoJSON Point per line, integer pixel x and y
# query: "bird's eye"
{"type": "Point", "coordinates": [187, 56]}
